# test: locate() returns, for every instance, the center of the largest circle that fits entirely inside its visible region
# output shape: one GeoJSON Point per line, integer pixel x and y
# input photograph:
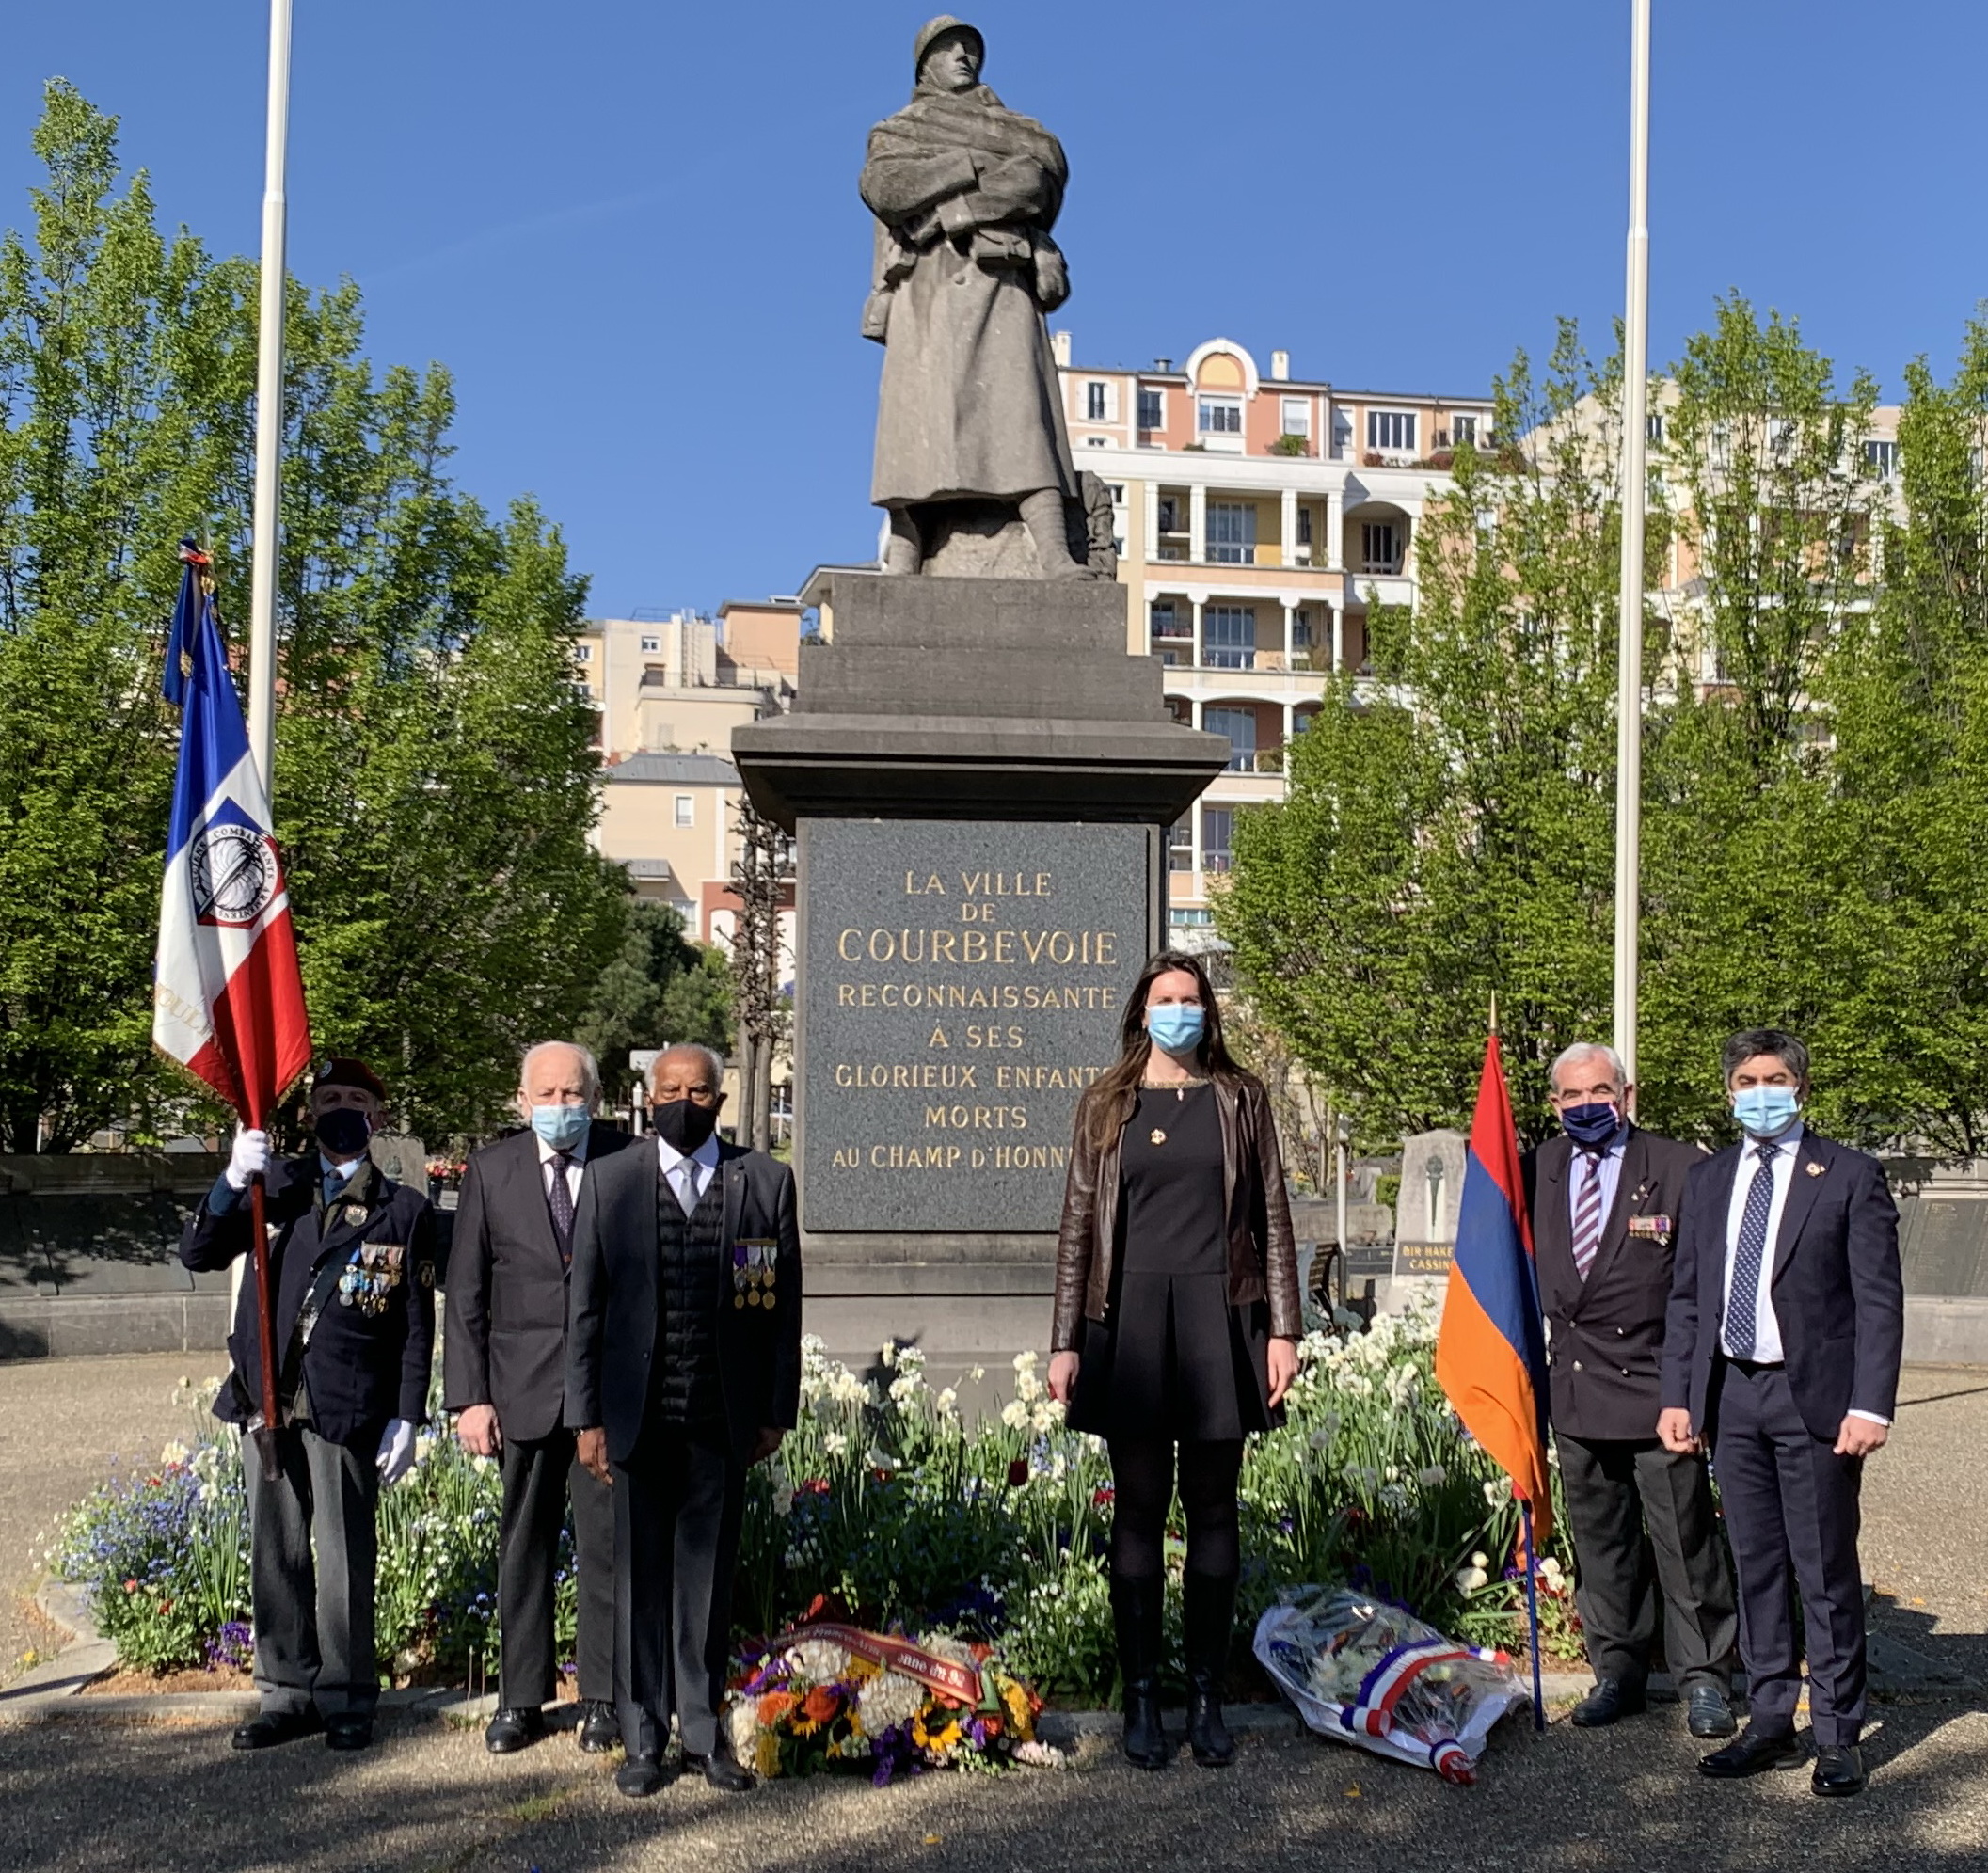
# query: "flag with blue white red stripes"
{"type": "Point", "coordinates": [228, 1000]}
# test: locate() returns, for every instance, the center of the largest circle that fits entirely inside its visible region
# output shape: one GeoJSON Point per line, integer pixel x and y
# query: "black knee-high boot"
{"type": "Point", "coordinates": [1207, 1619]}
{"type": "Point", "coordinates": [1136, 1609]}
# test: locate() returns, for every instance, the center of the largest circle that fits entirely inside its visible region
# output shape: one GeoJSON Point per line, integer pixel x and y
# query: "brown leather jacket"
{"type": "Point", "coordinates": [1263, 1256]}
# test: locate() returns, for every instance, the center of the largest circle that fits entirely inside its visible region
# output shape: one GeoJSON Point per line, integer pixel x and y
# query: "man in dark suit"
{"type": "Point", "coordinates": [1787, 1325]}
{"type": "Point", "coordinates": [683, 1369]}
{"type": "Point", "coordinates": [504, 1374]}
{"type": "Point", "coordinates": [1604, 1198]}
{"type": "Point", "coordinates": [352, 1286]}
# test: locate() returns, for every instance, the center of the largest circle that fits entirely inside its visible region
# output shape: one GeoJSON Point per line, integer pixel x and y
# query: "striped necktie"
{"type": "Point", "coordinates": [1743, 1323]}
{"type": "Point", "coordinates": [1587, 1216]}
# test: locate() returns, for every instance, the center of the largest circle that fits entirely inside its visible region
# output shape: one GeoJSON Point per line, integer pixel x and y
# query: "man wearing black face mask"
{"type": "Point", "coordinates": [352, 1281]}
{"type": "Point", "coordinates": [1604, 1198]}
{"type": "Point", "coordinates": [683, 1369]}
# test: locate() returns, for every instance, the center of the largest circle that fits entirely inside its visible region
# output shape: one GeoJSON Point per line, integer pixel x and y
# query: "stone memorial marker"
{"type": "Point", "coordinates": [977, 775]}
{"type": "Point", "coordinates": [1425, 1212]}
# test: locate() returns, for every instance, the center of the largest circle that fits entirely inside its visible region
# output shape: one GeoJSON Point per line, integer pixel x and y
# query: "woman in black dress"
{"type": "Point", "coordinates": [1177, 1320]}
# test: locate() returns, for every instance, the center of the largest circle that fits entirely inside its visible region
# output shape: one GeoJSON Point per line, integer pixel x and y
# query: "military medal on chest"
{"type": "Point", "coordinates": [752, 1266]}
{"type": "Point", "coordinates": [370, 1277]}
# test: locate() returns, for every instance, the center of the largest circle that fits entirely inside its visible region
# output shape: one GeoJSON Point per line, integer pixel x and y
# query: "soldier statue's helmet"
{"type": "Point", "coordinates": [340, 1070]}
{"type": "Point", "coordinates": [934, 30]}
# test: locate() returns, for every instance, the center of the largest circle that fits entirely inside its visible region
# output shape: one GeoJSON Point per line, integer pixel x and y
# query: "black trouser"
{"type": "Point", "coordinates": [313, 1620]}
{"type": "Point", "coordinates": [679, 1500]}
{"type": "Point", "coordinates": [1791, 1501]}
{"type": "Point", "coordinates": [539, 1476]}
{"type": "Point", "coordinates": [1142, 1473]}
{"type": "Point", "coordinates": [1615, 1490]}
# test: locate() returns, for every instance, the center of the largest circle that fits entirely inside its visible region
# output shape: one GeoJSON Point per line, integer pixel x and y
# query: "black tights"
{"type": "Point", "coordinates": [1142, 1490]}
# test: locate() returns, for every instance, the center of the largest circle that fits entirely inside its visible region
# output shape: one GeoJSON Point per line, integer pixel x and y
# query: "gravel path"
{"type": "Point", "coordinates": [102, 1798]}
{"type": "Point", "coordinates": [63, 1423]}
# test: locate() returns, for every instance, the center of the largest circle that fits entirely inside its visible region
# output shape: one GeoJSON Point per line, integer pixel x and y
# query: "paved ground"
{"type": "Point", "coordinates": [159, 1797]}
{"type": "Point", "coordinates": [62, 1424]}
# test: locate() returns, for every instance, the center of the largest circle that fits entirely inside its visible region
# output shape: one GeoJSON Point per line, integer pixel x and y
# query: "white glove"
{"type": "Point", "coordinates": [396, 1458]}
{"type": "Point", "coordinates": [249, 1160]}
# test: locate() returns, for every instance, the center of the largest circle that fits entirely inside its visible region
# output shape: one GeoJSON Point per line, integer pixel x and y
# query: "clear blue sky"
{"type": "Point", "coordinates": [632, 232]}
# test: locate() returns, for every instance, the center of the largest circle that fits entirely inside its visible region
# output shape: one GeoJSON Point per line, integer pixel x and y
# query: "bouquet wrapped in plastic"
{"type": "Point", "coordinates": [1373, 1675]}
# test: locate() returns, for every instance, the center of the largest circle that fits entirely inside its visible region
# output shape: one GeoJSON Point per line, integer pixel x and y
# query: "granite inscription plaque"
{"type": "Point", "coordinates": [962, 982]}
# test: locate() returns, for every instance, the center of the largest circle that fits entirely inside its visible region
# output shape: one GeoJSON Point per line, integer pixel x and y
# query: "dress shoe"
{"type": "Point", "coordinates": [1710, 1712]}
{"type": "Point", "coordinates": [1136, 1610]}
{"type": "Point", "coordinates": [638, 1776]}
{"type": "Point", "coordinates": [1839, 1769]}
{"type": "Point", "coordinates": [349, 1732]}
{"type": "Point", "coordinates": [276, 1726]}
{"type": "Point", "coordinates": [600, 1728]}
{"type": "Point", "coordinates": [1750, 1752]}
{"type": "Point", "coordinates": [1610, 1699]}
{"type": "Point", "coordinates": [515, 1727]}
{"type": "Point", "coordinates": [722, 1770]}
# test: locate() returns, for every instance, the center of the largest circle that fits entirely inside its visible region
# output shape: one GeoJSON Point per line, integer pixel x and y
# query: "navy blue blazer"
{"type": "Point", "coordinates": [616, 1312]}
{"type": "Point", "coordinates": [1838, 1292]}
{"type": "Point", "coordinates": [362, 1369]}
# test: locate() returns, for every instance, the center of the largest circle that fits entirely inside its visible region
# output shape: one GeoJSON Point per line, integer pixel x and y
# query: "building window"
{"type": "Point", "coordinates": [1170, 513]}
{"type": "Point", "coordinates": [1463, 428]}
{"type": "Point", "coordinates": [1095, 441]}
{"type": "Point", "coordinates": [1392, 430]}
{"type": "Point", "coordinates": [652, 646]}
{"type": "Point", "coordinates": [1653, 426]}
{"type": "Point", "coordinates": [1172, 632]}
{"type": "Point", "coordinates": [1153, 410]}
{"type": "Point", "coordinates": [1180, 846]}
{"type": "Point", "coordinates": [1239, 725]}
{"type": "Point", "coordinates": [1231, 533]}
{"type": "Point", "coordinates": [1380, 547]}
{"type": "Point", "coordinates": [1298, 416]}
{"type": "Point", "coordinates": [1304, 526]}
{"type": "Point", "coordinates": [1094, 402]}
{"type": "Point", "coordinates": [1881, 459]}
{"type": "Point", "coordinates": [1217, 830]}
{"type": "Point", "coordinates": [686, 809]}
{"type": "Point", "coordinates": [582, 653]}
{"type": "Point", "coordinates": [1300, 629]}
{"type": "Point", "coordinates": [1221, 416]}
{"type": "Point", "coordinates": [1229, 637]}
{"type": "Point", "coordinates": [1191, 916]}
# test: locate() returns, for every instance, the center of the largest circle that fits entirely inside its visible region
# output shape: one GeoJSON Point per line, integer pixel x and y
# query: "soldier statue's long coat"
{"type": "Point", "coordinates": [966, 192]}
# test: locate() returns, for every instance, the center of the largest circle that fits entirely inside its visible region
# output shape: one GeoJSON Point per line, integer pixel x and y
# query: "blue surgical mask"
{"type": "Point", "coordinates": [1593, 1124]}
{"type": "Point", "coordinates": [561, 1126]}
{"type": "Point", "coordinates": [1766, 1112]}
{"type": "Point", "coordinates": [1177, 1028]}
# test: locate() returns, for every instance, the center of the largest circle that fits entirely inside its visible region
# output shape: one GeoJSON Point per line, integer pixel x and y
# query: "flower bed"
{"type": "Point", "coordinates": [888, 1509]}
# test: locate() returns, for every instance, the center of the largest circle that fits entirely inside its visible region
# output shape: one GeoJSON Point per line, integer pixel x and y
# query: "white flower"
{"type": "Point", "coordinates": [1046, 1417]}
{"type": "Point", "coordinates": [1026, 1362]}
{"type": "Point", "coordinates": [1497, 1492]}
{"type": "Point", "coordinates": [1480, 1558]}
{"type": "Point", "coordinates": [1014, 1414]}
{"type": "Point", "coordinates": [820, 1659]}
{"type": "Point", "coordinates": [1551, 1572]}
{"type": "Point", "coordinates": [174, 1454]}
{"type": "Point", "coordinates": [1039, 1755]}
{"type": "Point", "coordinates": [742, 1728]}
{"type": "Point", "coordinates": [1470, 1579]}
{"type": "Point", "coordinates": [947, 1403]}
{"type": "Point", "coordinates": [782, 1500]}
{"type": "Point", "coordinates": [888, 1700]}
{"type": "Point", "coordinates": [905, 1388]}
{"type": "Point", "coordinates": [977, 1374]}
{"type": "Point", "coordinates": [835, 1443]}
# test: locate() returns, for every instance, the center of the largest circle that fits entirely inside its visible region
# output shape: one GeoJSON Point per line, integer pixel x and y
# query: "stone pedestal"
{"type": "Point", "coordinates": [979, 779]}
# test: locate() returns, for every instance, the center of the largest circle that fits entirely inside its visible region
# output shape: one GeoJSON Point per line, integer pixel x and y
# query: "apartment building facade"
{"type": "Point", "coordinates": [1260, 517]}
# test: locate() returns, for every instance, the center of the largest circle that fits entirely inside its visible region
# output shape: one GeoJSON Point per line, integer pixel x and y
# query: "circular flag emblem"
{"type": "Point", "coordinates": [235, 876]}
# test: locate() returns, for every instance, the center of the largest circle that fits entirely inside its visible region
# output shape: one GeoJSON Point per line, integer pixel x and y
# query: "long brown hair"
{"type": "Point", "coordinates": [1107, 1103]}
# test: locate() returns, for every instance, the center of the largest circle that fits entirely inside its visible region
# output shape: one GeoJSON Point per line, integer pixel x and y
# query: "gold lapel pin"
{"type": "Point", "coordinates": [1815, 1170]}
{"type": "Point", "coordinates": [1158, 1136]}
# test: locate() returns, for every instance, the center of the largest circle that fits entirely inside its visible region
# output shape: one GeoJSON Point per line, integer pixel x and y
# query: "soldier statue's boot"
{"type": "Point", "coordinates": [904, 550]}
{"type": "Point", "coordinates": [1137, 1606]}
{"type": "Point", "coordinates": [1048, 522]}
{"type": "Point", "coordinates": [1207, 1621]}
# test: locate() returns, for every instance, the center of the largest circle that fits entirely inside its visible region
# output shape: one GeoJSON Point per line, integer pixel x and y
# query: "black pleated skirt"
{"type": "Point", "coordinates": [1174, 1359]}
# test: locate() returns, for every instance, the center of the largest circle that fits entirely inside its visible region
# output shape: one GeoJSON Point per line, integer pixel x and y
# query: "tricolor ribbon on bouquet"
{"type": "Point", "coordinates": [947, 1676]}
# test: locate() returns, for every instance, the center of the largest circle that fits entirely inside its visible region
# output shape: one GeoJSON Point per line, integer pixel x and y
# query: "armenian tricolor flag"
{"type": "Point", "coordinates": [1490, 1352]}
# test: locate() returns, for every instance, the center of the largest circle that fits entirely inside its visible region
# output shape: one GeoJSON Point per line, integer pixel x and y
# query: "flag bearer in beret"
{"type": "Point", "coordinates": [352, 1287]}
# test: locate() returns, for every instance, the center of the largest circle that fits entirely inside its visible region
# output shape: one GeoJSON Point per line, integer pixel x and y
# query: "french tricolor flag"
{"type": "Point", "coordinates": [228, 1000]}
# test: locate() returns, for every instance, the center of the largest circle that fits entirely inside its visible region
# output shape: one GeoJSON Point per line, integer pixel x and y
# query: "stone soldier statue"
{"type": "Point", "coordinates": [970, 414]}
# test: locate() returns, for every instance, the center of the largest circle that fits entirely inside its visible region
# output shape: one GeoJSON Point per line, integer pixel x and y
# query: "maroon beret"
{"type": "Point", "coordinates": [339, 1071]}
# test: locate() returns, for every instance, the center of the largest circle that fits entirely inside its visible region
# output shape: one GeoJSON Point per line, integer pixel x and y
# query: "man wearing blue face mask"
{"type": "Point", "coordinates": [504, 1369]}
{"type": "Point", "coordinates": [1782, 1350]}
{"type": "Point", "coordinates": [1604, 1198]}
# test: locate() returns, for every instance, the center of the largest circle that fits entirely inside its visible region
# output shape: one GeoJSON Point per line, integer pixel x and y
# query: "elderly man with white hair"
{"type": "Point", "coordinates": [505, 1374]}
{"type": "Point", "coordinates": [1604, 1197]}
{"type": "Point", "coordinates": [683, 1369]}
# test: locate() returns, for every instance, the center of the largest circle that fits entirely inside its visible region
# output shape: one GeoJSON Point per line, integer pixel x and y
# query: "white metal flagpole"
{"type": "Point", "coordinates": [269, 412]}
{"type": "Point", "coordinates": [1629, 692]}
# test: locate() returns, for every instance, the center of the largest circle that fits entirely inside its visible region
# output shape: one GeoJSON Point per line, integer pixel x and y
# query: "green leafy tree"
{"type": "Point", "coordinates": [659, 988]}
{"type": "Point", "coordinates": [1448, 830]}
{"type": "Point", "coordinates": [435, 782]}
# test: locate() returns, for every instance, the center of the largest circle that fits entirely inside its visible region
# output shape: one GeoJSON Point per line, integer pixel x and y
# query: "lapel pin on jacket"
{"type": "Point", "coordinates": [1815, 1170]}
